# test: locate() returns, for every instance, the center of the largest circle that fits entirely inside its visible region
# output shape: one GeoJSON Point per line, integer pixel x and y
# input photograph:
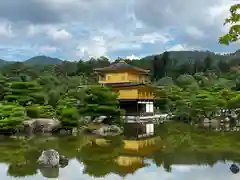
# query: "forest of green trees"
{"type": "Point", "coordinates": [69, 90]}
{"type": "Point", "coordinates": [49, 91]}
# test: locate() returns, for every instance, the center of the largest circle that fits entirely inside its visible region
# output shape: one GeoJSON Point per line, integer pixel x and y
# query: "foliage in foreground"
{"type": "Point", "coordinates": [234, 31]}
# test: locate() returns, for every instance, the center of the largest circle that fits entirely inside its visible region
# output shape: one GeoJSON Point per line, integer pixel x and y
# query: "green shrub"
{"type": "Point", "coordinates": [39, 98]}
{"type": "Point", "coordinates": [69, 117]}
{"type": "Point", "coordinates": [37, 111]}
{"type": "Point", "coordinates": [11, 123]}
{"type": "Point", "coordinates": [25, 93]}
{"type": "Point", "coordinates": [33, 111]}
{"type": "Point", "coordinates": [18, 114]}
{"type": "Point", "coordinates": [12, 116]}
{"type": "Point", "coordinates": [8, 107]}
{"type": "Point", "coordinates": [10, 110]}
{"type": "Point", "coordinates": [47, 112]}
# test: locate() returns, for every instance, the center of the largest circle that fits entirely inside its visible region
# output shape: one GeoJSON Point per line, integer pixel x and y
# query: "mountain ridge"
{"type": "Point", "coordinates": [42, 60]}
{"type": "Point", "coordinates": [180, 56]}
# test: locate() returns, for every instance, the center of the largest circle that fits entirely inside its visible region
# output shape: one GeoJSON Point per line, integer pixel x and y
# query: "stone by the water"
{"type": "Point", "coordinates": [108, 130]}
{"type": "Point", "coordinates": [63, 162]}
{"type": "Point", "coordinates": [41, 125]}
{"type": "Point", "coordinates": [234, 168]}
{"type": "Point", "coordinates": [49, 158]}
{"type": "Point", "coordinates": [65, 132]}
{"type": "Point", "coordinates": [74, 131]}
{"type": "Point", "coordinates": [227, 119]}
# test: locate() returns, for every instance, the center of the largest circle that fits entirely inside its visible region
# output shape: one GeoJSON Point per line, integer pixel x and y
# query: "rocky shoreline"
{"type": "Point", "coordinates": [52, 126]}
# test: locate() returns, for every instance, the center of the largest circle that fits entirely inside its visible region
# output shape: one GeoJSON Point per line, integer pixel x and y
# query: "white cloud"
{"type": "Point", "coordinates": [133, 57]}
{"type": "Point", "coordinates": [194, 32]}
{"type": "Point", "coordinates": [187, 168]}
{"type": "Point", "coordinates": [125, 46]}
{"type": "Point", "coordinates": [95, 47]}
{"type": "Point", "coordinates": [154, 37]}
{"type": "Point", "coordinates": [197, 23]}
{"type": "Point", "coordinates": [59, 34]}
{"type": "Point", "coordinates": [181, 47]}
{"type": "Point", "coordinates": [33, 30]}
{"type": "Point", "coordinates": [48, 49]}
{"type": "Point", "coordinates": [6, 30]}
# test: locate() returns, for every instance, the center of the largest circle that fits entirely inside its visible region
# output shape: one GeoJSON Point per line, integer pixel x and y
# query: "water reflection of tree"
{"type": "Point", "coordinates": [188, 146]}
{"type": "Point", "coordinates": [13, 152]}
{"type": "Point", "coordinates": [99, 158]}
{"type": "Point", "coordinates": [21, 170]}
{"type": "Point", "coordinates": [70, 146]}
{"type": "Point", "coordinates": [21, 155]}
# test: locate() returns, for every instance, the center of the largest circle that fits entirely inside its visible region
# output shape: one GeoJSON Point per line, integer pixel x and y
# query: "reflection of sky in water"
{"type": "Point", "coordinates": [74, 171]}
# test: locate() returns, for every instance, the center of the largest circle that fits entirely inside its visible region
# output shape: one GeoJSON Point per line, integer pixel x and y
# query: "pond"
{"type": "Point", "coordinates": [176, 152]}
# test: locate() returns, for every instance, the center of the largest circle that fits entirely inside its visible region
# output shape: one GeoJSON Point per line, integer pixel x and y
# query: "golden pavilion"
{"type": "Point", "coordinates": [136, 96]}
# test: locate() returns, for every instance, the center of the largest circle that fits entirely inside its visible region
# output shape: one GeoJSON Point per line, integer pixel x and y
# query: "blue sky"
{"type": "Point", "coordinates": [80, 29]}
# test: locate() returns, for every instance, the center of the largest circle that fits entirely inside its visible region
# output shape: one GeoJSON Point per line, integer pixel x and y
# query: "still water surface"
{"type": "Point", "coordinates": [176, 153]}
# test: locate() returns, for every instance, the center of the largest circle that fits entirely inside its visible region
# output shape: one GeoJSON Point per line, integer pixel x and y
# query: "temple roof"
{"type": "Point", "coordinates": [129, 165]}
{"type": "Point", "coordinates": [121, 65]}
{"type": "Point", "coordinates": [125, 84]}
{"type": "Point", "coordinates": [131, 84]}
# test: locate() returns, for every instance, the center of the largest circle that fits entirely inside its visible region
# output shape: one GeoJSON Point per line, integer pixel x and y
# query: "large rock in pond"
{"type": "Point", "coordinates": [51, 158]}
{"type": "Point", "coordinates": [41, 125]}
{"type": "Point", "coordinates": [108, 130]}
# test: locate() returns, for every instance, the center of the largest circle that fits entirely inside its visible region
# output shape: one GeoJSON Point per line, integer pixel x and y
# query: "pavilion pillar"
{"type": "Point", "coordinates": [147, 106]}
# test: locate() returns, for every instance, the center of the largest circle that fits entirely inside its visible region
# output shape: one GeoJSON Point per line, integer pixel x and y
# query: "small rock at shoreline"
{"type": "Point", "coordinates": [51, 158]}
{"type": "Point", "coordinates": [41, 125]}
{"type": "Point", "coordinates": [108, 130]}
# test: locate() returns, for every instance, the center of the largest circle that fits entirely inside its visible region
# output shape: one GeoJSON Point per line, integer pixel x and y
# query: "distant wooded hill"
{"type": "Point", "coordinates": [179, 56]}
{"type": "Point", "coordinates": [37, 60]}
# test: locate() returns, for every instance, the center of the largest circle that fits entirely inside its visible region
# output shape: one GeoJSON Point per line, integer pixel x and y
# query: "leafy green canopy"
{"type": "Point", "coordinates": [234, 30]}
{"type": "Point", "coordinates": [24, 93]}
{"type": "Point", "coordinates": [197, 104]}
{"type": "Point", "coordinates": [11, 116]}
{"type": "Point", "coordinates": [99, 100]}
{"type": "Point", "coordinates": [93, 101]}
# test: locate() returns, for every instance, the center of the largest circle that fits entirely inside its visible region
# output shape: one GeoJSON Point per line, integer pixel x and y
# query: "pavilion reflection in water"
{"type": "Point", "coordinates": [134, 151]}
{"type": "Point", "coordinates": [133, 155]}
{"type": "Point", "coordinates": [139, 130]}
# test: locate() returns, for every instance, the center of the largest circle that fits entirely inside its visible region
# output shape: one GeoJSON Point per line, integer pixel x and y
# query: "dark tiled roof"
{"type": "Point", "coordinates": [121, 65]}
{"type": "Point", "coordinates": [126, 84]}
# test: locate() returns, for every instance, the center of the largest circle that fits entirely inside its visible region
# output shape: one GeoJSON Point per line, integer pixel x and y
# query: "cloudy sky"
{"type": "Point", "coordinates": [74, 29]}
